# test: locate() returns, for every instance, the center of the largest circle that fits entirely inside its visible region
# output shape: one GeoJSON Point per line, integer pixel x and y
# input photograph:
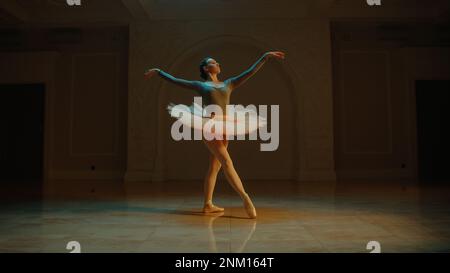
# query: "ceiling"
{"type": "Point", "coordinates": [122, 12]}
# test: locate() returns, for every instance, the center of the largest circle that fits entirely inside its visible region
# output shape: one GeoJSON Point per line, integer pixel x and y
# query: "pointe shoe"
{"type": "Point", "coordinates": [249, 208]}
{"type": "Point", "coordinates": [210, 208]}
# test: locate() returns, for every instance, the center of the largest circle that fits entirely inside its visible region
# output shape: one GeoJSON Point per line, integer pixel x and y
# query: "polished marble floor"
{"type": "Point", "coordinates": [165, 217]}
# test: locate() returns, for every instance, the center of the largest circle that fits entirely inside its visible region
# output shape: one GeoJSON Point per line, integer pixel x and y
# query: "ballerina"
{"type": "Point", "coordinates": [217, 92]}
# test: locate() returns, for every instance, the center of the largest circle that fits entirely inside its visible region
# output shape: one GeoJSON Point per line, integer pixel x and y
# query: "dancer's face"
{"type": "Point", "coordinates": [213, 66]}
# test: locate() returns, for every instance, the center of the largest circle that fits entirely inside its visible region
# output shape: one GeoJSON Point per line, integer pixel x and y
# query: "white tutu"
{"type": "Point", "coordinates": [240, 121]}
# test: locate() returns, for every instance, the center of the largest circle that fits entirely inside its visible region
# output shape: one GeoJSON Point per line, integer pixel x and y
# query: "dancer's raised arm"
{"type": "Point", "coordinates": [244, 76]}
{"type": "Point", "coordinates": [193, 85]}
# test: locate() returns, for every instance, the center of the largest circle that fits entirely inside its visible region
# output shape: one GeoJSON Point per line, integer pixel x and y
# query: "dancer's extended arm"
{"type": "Point", "coordinates": [194, 85]}
{"type": "Point", "coordinates": [247, 74]}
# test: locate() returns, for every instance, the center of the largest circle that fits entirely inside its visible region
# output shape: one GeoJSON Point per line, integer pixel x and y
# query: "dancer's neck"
{"type": "Point", "coordinates": [213, 78]}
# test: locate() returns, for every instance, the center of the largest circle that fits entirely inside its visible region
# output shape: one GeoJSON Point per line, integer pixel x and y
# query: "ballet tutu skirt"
{"type": "Point", "coordinates": [241, 121]}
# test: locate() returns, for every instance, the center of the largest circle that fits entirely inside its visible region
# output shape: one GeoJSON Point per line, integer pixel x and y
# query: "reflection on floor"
{"type": "Point", "coordinates": [292, 217]}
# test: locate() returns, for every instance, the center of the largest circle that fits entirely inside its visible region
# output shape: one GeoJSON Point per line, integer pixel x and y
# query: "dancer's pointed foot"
{"type": "Point", "coordinates": [248, 205]}
{"type": "Point", "coordinates": [211, 208]}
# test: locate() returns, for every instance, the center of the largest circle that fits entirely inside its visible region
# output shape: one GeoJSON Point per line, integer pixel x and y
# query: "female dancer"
{"type": "Point", "coordinates": [214, 91]}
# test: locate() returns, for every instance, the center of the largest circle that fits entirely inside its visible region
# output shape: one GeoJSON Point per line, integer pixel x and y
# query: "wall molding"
{"type": "Point", "coordinates": [82, 175]}
{"type": "Point", "coordinates": [389, 149]}
{"type": "Point", "coordinates": [206, 42]}
{"type": "Point", "coordinates": [116, 77]}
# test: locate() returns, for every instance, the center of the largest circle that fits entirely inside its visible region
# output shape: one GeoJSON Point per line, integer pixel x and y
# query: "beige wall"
{"type": "Point", "coordinates": [86, 84]}
{"type": "Point", "coordinates": [301, 85]}
{"type": "Point", "coordinates": [374, 100]}
{"type": "Point", "coordinates": [358, 121]}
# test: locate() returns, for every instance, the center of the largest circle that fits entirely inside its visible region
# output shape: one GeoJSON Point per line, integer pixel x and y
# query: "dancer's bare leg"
{"type": "Point", "coordinates": [218, 148]}
{"type": "Point", "coordinates": [210, 182]}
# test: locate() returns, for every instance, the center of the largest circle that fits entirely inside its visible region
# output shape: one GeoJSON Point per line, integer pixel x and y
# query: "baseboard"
{"type": "Point", "coordinates": [142, 176]}
{"type": "Point", "coordinates": [375, 174]}
{"type": "Point", "coordinates": [86, 175]}
{"type": "Point", "coordinates": [316, 175]}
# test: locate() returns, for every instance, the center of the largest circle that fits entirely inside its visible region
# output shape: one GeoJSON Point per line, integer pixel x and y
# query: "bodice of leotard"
{"type": "Point", "coordinates": [217, 95]}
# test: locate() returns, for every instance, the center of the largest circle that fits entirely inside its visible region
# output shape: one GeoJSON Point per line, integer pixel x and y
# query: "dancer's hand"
{"type": "Point", "coordinates": [150, 73]}
{"type": "Point", "coordinates": [274, 54]}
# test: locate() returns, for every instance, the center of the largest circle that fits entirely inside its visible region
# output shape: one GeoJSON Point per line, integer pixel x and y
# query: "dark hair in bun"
{"type": "Point", "coordinates": [203, 74]}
